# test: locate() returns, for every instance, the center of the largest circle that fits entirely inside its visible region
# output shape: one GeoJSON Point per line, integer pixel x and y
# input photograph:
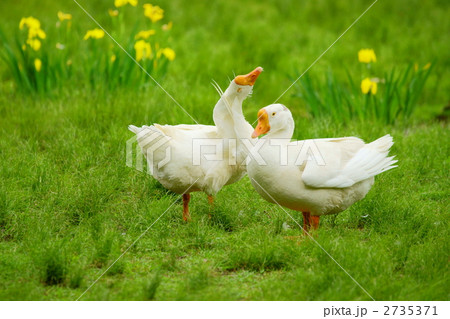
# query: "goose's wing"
{"type": "Point", "coordinates": [346, 161]}
{"type": "Point", "coordinates": [156, 138]}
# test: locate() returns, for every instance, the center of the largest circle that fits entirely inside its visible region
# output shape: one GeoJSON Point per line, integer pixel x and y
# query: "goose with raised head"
{"type": "Point", "coordinates": [174, 152]}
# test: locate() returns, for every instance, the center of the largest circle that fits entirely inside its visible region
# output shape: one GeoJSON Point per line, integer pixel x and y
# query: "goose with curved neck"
{"type": "Point", "coordinates": [228, 111]}
{"type": "Point", "coordinates": [175, 155]}
{"type": "Point", "coordinates": [317, 177]}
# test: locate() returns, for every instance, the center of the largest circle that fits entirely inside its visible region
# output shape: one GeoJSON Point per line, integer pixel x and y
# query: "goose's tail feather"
{"type": "Point", "coordinates": [149, 136]}
{"type": "Point", "coordinates": [134, 129]}
{"type": "Point", "coordinates": [371, 160]}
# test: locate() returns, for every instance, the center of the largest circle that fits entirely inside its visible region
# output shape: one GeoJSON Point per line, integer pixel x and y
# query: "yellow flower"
{"type": "Point", "coordinates": [34, 28]}
{"type": "Point", "coordinates": [144, 34]}
{"type": "Point", "coordinates": [143, 50]}
{"type": "Point", "coordinates": [94, 34]}
{"type": "Point", "coordinates": [154, 13]}
{"type": "Point", "coordinates": [427, 66]}
{"type": "Point", "coordinates": [113, 58]}
{"type": "Point", "coordinates": [167, 27]}
{"type": "Point", "coordinates": [367, 85]}
{"type": "Point", "coordinates": [41, 34]}
{"type": "Point", "coordinates": [169, 54]}
{"type": "Point", "coordinates": [32, 33]}
{"type": "Point", "coordinates": [64, 16]}
{"type": "Point", "coordinates": [121, 3]}
{"type": "Point", "coordinates": [38, 64]}
{"type": "Point", "coordinates": [366, 56]}
{"type": "Point", "coordinates": [30, 22]}
{"type": "Point", "coordinates": [35, 44]}
{"type": "Point", "coordinates": [113, 13]}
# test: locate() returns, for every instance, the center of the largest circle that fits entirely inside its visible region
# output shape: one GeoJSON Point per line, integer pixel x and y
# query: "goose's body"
{"type": "Point", "coordinates": [316, 177]}
{"type": "Point", "coordinates": [178, 154]}
{"type": "Point", "coordinates": [180, 174]}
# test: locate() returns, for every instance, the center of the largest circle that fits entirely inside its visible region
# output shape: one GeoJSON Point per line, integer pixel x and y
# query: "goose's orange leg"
{"type": "Point", "coordinates": [315, 221]}
{"type": "Point", "coordinates": [211, 205]}
{"type": "Point", "coordinates": [306, 221]}
{"type": "Point", "coordinates": [211, 201]}
{"type": "Point", "coordinates": [186, 199]}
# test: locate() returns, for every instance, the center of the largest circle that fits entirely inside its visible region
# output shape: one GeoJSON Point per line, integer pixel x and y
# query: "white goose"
{"type": "Point", "coordinates": [174, 152]}
{"type": "Point", "coordinates": [316, 177]}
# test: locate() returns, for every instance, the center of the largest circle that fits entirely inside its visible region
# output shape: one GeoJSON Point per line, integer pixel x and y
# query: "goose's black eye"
{"type": "Point", "coordinates": [273, 114]}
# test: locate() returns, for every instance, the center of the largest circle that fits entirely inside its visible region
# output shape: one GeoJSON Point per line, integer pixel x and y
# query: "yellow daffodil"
{"type": "Point", "coordinates": [144, 34]}
{"type": "Point", "coordinates": [143, 50]}
{"type": "Point", "coordinates": [369, 86]}
{"type": "Point", "coordinates": [41, 34]}
{"type": "Point", "coordinates": [38, 64]}
{"type": "Point", "coordinates": [121, 3]}
{"type": "Point", "coordinates": [35, 44]}
{"type": "Point", "coordinates": [113, 58]}
{"type": "Point", "coordinates": [34, 30]}
{"type": "Point", "coordinates": [32, 33]}
{"type": "Point", "coordinates": [366, 56]}
{"type": "Point", "coordinates": [30, 22]}
{"type": "Point", "coordinates": [94, 34]}
{"type": "Point", "coordinates": [169, 54]}
{"type": "Point", "coordinates": [167, 27]}
{"type": "Point", "coordinates": [64, 16]}
{"type": "Point", "coordinates": [113, 13]}
{"type": "Point", "coordinates": [154, 13]}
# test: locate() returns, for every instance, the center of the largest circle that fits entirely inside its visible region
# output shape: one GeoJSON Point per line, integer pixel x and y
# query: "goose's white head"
{"type": "Point", "coordinates": [274, 118]}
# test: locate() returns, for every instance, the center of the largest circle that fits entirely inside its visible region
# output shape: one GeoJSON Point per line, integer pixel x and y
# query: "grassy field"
{"type": "Point", "coordinates": [69, 206]}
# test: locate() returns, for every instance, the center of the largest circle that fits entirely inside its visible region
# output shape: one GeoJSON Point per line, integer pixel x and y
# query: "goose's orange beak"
{"type": "Point", "coordinates": [263, 124]}
{"type": "Point", "coordinates": [248, 79]}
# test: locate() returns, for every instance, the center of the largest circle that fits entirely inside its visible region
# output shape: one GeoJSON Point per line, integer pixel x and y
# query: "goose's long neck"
{"type": "Point", "coordinates": [228, 110]}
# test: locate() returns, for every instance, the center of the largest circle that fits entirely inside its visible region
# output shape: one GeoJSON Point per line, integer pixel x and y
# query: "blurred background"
{"type": "Point", "coordinates": [219, 39]}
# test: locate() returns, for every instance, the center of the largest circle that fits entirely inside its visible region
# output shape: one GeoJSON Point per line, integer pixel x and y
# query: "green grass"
{"type": "Point", "coordinates": [69, 206]}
